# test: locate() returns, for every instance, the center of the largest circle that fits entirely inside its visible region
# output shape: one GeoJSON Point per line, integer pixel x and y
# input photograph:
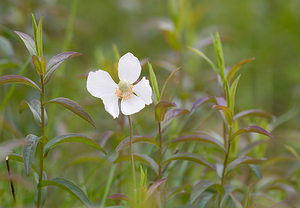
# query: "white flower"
{"type": "Point", "coordinates": [133, 97]}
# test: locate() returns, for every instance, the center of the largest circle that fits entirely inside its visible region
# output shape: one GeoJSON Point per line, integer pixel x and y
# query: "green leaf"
{"type": "Point", "coordinates": [19, 158]}
{"type": "Point", "coordinates": [242, 161]}
{"type": "Point", "coordinates": [179, 190]}
{"type": "Point", "coordinates": [206, 59]}
{"type": "Point", "coordinates": [35, 108]}
{"type": "Point", "coordinates": [190, 157]}
{"type": "Point", "coordinates": [154, 186]}
{"type": "Point", "coordinates": [69, 187]}
{"type": "Point", "coordinates": [29, 43]}
{"type": "Point", "coordinates": [200, 138]}
{"type": "Point", "coordinates": [232, 92]}
{"type": "Point", "coordinates": [34, 26]}
{"type": "Point", "coordinates": [56, 61]}
{"type": "Point", "coordinates": [153, 81]}
{"type": "Point", "coordinates": [226, 112]}
{"type": "Point", "coordinates": [236, 68]}
{"type": "Point", "coordinates": [202, 201]}
{"type": "Point", "coordinates": [161, 109]}
{"type": "Point", "coordinates": [236, 202]}
{"type": "Point", "coordinates": [74, 107]}
{"type": "Point", "coordinates": [29, 151]}
{"type": "Point", "coordinates": [201, 187]}
{"type": "Point", "coordinates": [258, 113]}
{"type": "Point", "coordinates": [39, 39]}
{"type": "Point", "coordinates": [136, 139]}
{"type": "Point", "coordinates": [16, 79]}
{"type": "Point", "coordinates": [139, 157]}
{"type": "Point", "coordinates": [219, 54]}
{"type": "Point", "coordinates": [71, 138]}
{"type": "Point", "coordinates": [292, 151]}
{"type": "Point", "coordinates": [252, 129]}
{"type": "Point", "coordinates": [256, 170]}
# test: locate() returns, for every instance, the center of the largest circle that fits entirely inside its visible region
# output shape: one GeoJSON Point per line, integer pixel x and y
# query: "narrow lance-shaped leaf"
{"type": "Point", "coordinates": [226, 112]}
{"type": "Point", "coordinates": [161, 109]}
{"type": "Point", "coordinates": [232, 91]}
{"type": "Point", "coordinates": [56, 61]}
{"type": "Point", "coordinates": [190, 157]}
{"type": "Point", "coordinates": [29, 43]}
{"type": "Point", "coordinates": [35, 108]}
{"type": "Point", "coordinates": [153, 81]}
{"type": "Point", "coordinates": [252, 129]}
{"type": "Point", "coordinates": [136, 139]}
{"type": "Point", "coordinates": [29, 151]}
{"type": "Point", "coordinates": [254, 112]}
{"type": "Point", "coordinates": [37, 64]}
{"type": "Point", "coordinates": [39, 39]}
{"type": "Point", "coordinates": [69, 187]}
{"type": "Point", "coordinates": [34, 26]}
{"type": "Point", "coordinates": [243, 161]}
{"type": "Point", "coordinates": [201, 101]}
{"type": "Point", "coordinates": [154, 187]}
{"type": "Point", "coordinates": [200, 138]}
{"type": "Point", "coordinates": [17, 79]}
{"type": "Point", "coordinates": [256, 170]}
{"type": "Point", "coordinates": [219, 53]}
{"type": "Point", "coordinates": [236, 68]}
{"type": "Point", "coordinates": [173, 113]}
{"type": "Point", "coordinates": [74, 107]}
{"type": "Point", "coordinates": [71, 138]}
{"type": "Point", "coordinates": [139, 157]}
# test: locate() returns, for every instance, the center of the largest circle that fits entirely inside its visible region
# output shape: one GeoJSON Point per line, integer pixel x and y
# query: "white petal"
{"type": "Point", "coordinates": [143, 90]}
{"type": "Point", "coordinates": [100, 84]}
{"type": "Point", "coordinates": [129, 68]}
{"type": "Point", "coordinates": [111, 105]}
{"type": "Point", "coordinates": [132, 105]}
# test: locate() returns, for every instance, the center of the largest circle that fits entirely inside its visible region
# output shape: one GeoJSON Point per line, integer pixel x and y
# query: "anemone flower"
{"type": "Point", "coordinates": [133, 96]}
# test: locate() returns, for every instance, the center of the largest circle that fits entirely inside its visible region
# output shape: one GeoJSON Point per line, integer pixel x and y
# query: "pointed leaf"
{"type": "Point", "coordinates": [243, 161]}
{"type": "Point", "coordinates": [74, 107]}
{"type": "Point", "coordinates": [219, 53]}
{"type": "Point", "coordinates": [136, 139]}
{"type": "Point", "coordinates": [69, 187]}
{"type": "Point", "coordinates": [39, 39]}
{"type": "Point", "coordinates": [154, 186]}
{"type": "Point", "coordinates": [153, 81]}
{"type": "Point", "coordinates": [37, 64]}
{"type": "Point", "coordinates": [173, 113]}
{"type": "Point", "coordinates": [201, 101]}
{"type": "Point", "coordinates": [71, 138]}
{"type": "Point", "coordinates": [29, 151]}
{"type": "Point", "coordinates": [258, 113]}
{"type": "Point", "coordinates": [16, 79]}
{"type": "Point", "coordinates": [29, 43]}
{"type": "Point", "coordinates": [56, 61]}
{"type": "Point", "coordinates": [161, 109]}
{"type": "Point", "coordinates": [35, 108]}
{"type": "Point", "coordinates": [200, 138]}
{"type": "Point", "coordinates": [232, 93]}
{"type": "Point", "coordinates": [256, 170]}
{"type": "Point", "coordinates": [236, 68]}
{"type": "Point", "coordinates": [139, 157]}
{"type": "Point", "coordinates": [206, 59]}
{"type": "Point", "coordinates": [252, 129]}
{"type": "Point", "coordinates": [190, 157]}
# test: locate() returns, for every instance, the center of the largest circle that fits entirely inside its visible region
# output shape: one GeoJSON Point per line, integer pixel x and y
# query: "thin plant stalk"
{"type": "Point", "coordinates": [10, 180]}
{"type": "Point", "coordinates": [160, 151]}
{"type": "Point", "coordinates": [108, 185]}
{"type": "Point", "coordinates": [131, 155]}
{"type": "Point", "coordinates": [41, 144]}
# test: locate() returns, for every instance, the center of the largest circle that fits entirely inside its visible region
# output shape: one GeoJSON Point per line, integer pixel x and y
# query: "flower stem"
{"type": "Point", "coordinates": [131, 156]}
{"type": "Point", "coordinates": [160, 151]}
{"type": "Point", "coordinates": [41, 144]}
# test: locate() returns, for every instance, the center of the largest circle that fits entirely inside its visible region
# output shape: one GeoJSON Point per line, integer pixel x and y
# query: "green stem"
{"type": "Point", "coordinates": [42, 144]}
{"type": "Point", "coordinates": [108, 185]}
{"type": "Point", "coordinates": [160, 150]}
{"type": "Point", "coordinates": [131, 156]}
{"type": "Point", "coordinates": [225, 163]}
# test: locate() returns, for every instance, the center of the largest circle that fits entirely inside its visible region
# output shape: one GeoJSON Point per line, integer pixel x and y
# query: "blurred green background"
{"type": "Point", "coordinates": [160, 31]}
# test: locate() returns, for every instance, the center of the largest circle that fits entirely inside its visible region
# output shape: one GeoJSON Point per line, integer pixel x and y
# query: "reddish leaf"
{"type": "Point", "coordinates": [154, 186]}
{"type": "Point", "coordinates": [56, 61]}
{"type": "Point", "coordinates": [252, 129]}
{"type": "Point", "coordinates": [161, 109]}
{"type": "Point", "coordinates": [16, 79]}
{"type": "Point", "coordinates": [243, 161]}
{"type": "Point", "coordinates": [28, 41]}
{"type": "Point", "coordinates": [200, 102]}
{"type": "Point", "coordinates": [74, 107]}
{"type": "Point", "coordinates": [259, 113]}
{"type": "Point", "coordinates": [226, 112]}
{"type": "Point", "coordinates": [121, 197]}
{"type": "Point", "coordinates": [200, 138]}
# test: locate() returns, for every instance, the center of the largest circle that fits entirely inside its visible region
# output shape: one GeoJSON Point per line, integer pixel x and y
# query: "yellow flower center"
{"type": "Point", "coordinates": [124, 89]}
